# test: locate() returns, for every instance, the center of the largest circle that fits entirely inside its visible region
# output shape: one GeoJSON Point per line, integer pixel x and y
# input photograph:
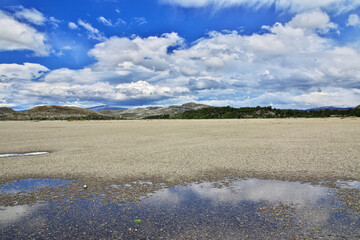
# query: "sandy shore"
{"type": "Point", "coordinates": [292, 149]}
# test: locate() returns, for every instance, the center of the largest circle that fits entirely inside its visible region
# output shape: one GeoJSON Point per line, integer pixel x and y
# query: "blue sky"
{"type": "Point", "coordinates": [284, 53]}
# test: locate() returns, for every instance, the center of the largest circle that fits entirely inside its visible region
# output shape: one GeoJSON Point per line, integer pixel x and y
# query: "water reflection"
{"type": "Point", "coordinates": [242, 209]}
{"type": "Point", "coordinates": [254, 190]}
{"type": "Point", "coordinates": [13, 214]}
{"type": "Point", "coordinates": [349, 184]}
{"type": "Point", "coordinates": [30, 184]}
{"type": "Point", "coordinates": [22, 154]}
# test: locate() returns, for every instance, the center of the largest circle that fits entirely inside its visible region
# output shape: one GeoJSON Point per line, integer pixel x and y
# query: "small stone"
{"type": "Point", "coordinates": [85, 186]}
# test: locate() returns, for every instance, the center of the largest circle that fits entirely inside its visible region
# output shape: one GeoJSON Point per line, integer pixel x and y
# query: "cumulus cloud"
{"type": "Point", "coordinates": [24, 71]}
{"type": "Point", "coordinates": [93, 33]}
{"type": "Point", "coordinates": [31, 15]}
{"type": "Point", "coordinates": [15, 35]}
{"type": "Point", "coordinates": [13, 77]}
{"type": "Point", "coordinates": [142, 89]}
{"type": "Point", "coordinates": [353, 20]}
{"type": "Point", "coordinates": [31, 84]}
{"type": "Point", "coordinates": [294, 6]}
{"type": "Point", "coordinates": [81, 76]}
{"type": "Point", "coordinates": [337, 97]}
{"type": "Point", "coordinates": [288, 65]}
{"type": "Point", "coordinates": [123, 53]}
{"type": "Point", "coordinates": [314, 20]}
{"type": "Point", "coordinates": [290, 57]}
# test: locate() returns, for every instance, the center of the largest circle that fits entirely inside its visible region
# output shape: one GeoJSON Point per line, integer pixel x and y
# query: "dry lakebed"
{"type": "Point", "coordinates": [180, 179]}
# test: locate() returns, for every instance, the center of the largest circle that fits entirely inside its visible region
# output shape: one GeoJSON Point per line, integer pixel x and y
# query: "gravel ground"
{"type": "Point", "coordinates": [182, 150]}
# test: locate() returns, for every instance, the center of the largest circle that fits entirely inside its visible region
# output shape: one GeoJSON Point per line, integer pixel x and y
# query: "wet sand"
{"type": "Point", "coordinates": [183, 150]}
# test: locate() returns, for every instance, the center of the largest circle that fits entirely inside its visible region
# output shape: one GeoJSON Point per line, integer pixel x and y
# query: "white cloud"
{"type": "Point", "coordinates": [353, 20]}
{"type": "Point", "coordinates": [314, 20]}
{"type": "Point", "coordinates": [120, 22]}
{"type": "Point", "coordinates": [31, 15]}
{"type": "Point", "coordinates": [55, 22]}
{"type": "Point", "coordinates": [31, 84]}
{"type": "Point", "coordinates": [104, 21]}
{"type": "Point", "coordinates": [93, 32]}
{"type": "Point", "coordinates": [13, 77]}
{"type": "Point", "coordinates": [81, 76]}
{"type": "Point", "coordinates": [67, 48]}
{"type": "Point", "coordinates": [294, 6]}
{"type": "Point", "coordinates": [287, 100]}
{"type": "Point", "coordinates": [203, 83]}
{"type": "Point", "coordinates": [24, 71]}
{"type": "Point", "coordinates": [149, 53]}
{"type": "Point", "coordinates": [290, 65]}
{"type": "Point", "coordinates": [142, 89]}
{"type": "Point", "coordinates": [333, 97]}
{"type": "Point", "coordinates": [72, 25]}
{"type": "Point", "coordinates": [290, 57]}
{"type": "Point", "coordinates": [15, 35]}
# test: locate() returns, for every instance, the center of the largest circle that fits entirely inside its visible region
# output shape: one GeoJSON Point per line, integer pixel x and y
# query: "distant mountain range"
{"type": "Point", "coordinates": [99, 112]}
{"type": "Point", "coordinates": [105, 107]}
{"type": "Point", "coordinates": [137, 113]}
{"type": "Point", "coordinates": [188, 110]}
{"type": "Point", "coordinates": [327, 107]}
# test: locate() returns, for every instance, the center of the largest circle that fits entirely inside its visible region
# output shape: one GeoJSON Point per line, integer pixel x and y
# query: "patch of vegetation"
{"type": "Point", "coordinates": [263, 112]}
{"type": "Point", "coordinates": [164, 116]}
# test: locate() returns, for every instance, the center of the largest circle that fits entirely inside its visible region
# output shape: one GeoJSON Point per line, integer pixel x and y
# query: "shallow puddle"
{"type": "Point", "coordinates": [30, 184]}
{"type": "Point", "coordinates": [227, 209]}
{"type": "Point", "coordinates": [22, 154]}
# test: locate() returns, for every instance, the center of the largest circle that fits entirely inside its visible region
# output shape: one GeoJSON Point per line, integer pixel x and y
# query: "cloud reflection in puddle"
{"type": "Point", "coordinates": [254, 190]}
{"type": "Point", "coordinates": [250, 208]}
{"type": "Point", "coordinates": [22, 154]}
{"type": "Point", "coordinates": [13, 214]}
{"type": "Point", "coordinates": [30, 184]}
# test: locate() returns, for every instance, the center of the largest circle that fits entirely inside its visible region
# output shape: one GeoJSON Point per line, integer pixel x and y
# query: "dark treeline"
{"type": "Point", "coordinates": [258, 112]}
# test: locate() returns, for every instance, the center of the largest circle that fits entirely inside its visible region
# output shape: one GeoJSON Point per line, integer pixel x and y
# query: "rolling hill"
{"type": "Point", "coordinates": [7, 112]}
{"type": "Point", "coordinates": [185, 111]}
{"type": "Point", "coordinates": [57, 113]}
{"type": "Point", "coordinates": [157, 112]}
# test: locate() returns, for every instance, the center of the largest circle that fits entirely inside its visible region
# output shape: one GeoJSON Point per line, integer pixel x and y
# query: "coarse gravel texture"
{"type": "Point", "coordinates": [182, 150]}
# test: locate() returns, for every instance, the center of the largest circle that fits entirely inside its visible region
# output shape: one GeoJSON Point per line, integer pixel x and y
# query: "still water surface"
{"type": "Point", "coordinates": [227, 209]}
